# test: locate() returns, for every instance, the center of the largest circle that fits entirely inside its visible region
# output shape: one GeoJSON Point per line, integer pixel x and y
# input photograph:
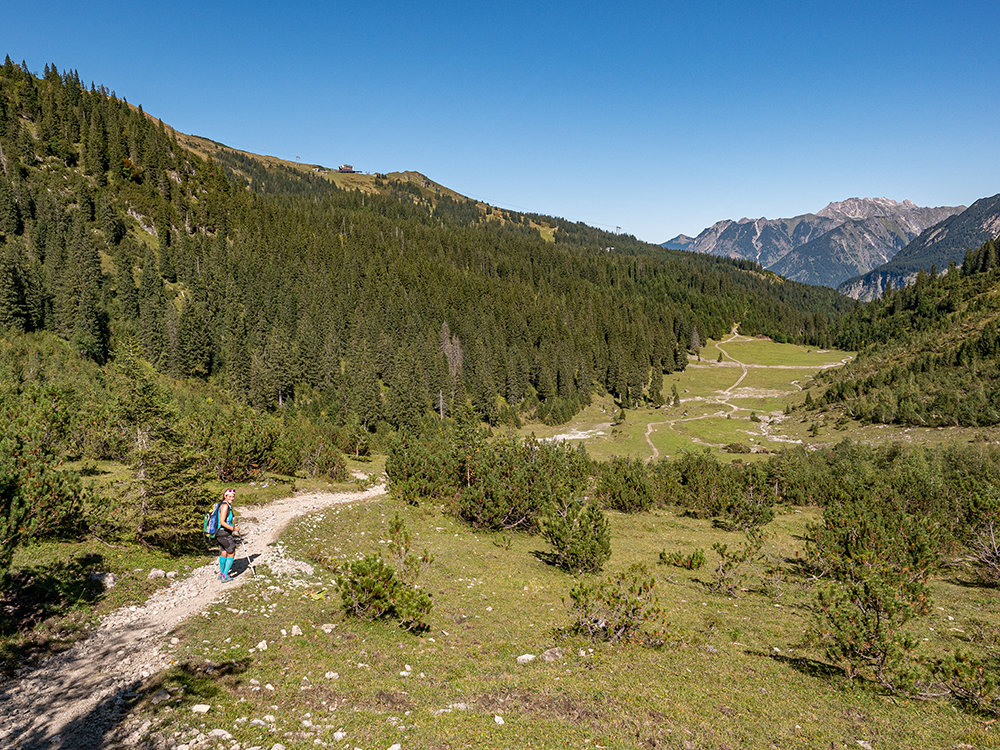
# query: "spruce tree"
{"type": "Point", "coordinates": [167, 488]}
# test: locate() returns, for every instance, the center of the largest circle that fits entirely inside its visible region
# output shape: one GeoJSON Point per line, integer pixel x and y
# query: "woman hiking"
{"type": "Point", "coordinates": [224, 535]}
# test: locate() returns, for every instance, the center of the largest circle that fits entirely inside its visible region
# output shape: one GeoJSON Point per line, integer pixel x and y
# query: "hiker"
{"type": "Point", "coordinates": [224, 535]}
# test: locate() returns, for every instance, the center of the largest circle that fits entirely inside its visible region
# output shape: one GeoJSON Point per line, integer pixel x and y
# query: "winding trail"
{"type": "Point", "coordinates": [727, 394]}
{"type": "Point", "coordinates": [74, 699]}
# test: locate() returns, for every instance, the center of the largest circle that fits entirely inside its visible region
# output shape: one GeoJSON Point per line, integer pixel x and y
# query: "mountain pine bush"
{"type": "Point", "coordinates": [579, 533]}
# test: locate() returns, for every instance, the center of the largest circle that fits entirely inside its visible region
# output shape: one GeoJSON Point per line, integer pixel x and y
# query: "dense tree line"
{"type": "Point", "coordinates": [278, 285]}
{"type": "Point", "coordinates": [930, 352]}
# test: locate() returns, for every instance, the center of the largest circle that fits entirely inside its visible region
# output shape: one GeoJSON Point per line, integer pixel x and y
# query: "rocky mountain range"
{"type": "Point", "coordinates": [938, 245]}
{"type": "Point", "coordinates": [844, 239]}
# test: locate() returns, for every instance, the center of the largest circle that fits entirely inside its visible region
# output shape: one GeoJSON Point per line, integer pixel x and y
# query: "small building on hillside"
{"type": "Point", "coordinates": [346, 168]}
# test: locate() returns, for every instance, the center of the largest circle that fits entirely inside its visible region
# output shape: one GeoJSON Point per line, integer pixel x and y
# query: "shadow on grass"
{"type": "Point", "coordinates": [803, 664]}
{"type": "Point", "coordinates": [966, 582]}
{"type": "Point", "coordinates": [44, 594]}
{"type": "Point", "coordinates": [189, 683]}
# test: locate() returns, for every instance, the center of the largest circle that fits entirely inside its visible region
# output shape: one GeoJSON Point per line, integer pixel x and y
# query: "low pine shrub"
{"type": "Point", "coordinates": [624, 485]}
{"type": "Point", "coordinates": [506, 483]}
{"type": "Point", "coordinates": [578, 531]}
{"type": "Point", "coordinates": [691, 561]}
{"type": "Point", "coordinates": [373, 589]}
{"type": "Point", "coordinates": [879, 557]}
{"type": "Point", "coordinates": [970, 681]}
{"type": "Point", "coordinates": [750, 505]}
{"type": "Point", "coordinates": [620, 608]}
{"type": "Point", "coordinates": [421, 468]}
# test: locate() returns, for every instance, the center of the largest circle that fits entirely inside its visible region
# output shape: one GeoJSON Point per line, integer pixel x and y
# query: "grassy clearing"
{"type": "Point", "coordinates": [766, 352]}
{"type": "Point", "coordinates": [710, 392]}
{"type": "Point", "coordinates": [736, 672]}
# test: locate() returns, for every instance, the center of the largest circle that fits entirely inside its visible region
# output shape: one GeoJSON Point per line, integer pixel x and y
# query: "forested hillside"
{"type": "Point", "coordinates": [930, 351]}
{"type": "Point", "coordinates": [379, 306]}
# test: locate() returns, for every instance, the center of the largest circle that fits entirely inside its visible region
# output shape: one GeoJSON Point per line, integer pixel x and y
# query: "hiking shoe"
{"type": "Point", "coordinates": [225, 579]}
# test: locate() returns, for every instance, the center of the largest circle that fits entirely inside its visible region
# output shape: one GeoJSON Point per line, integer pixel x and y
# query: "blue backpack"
{"type": "Point", "coordinates": [211, 523]}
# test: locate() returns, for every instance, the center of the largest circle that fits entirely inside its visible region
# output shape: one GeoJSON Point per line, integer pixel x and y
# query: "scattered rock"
{"type": "Point", "coordinates": [159, 696]}
{"type": "Point", "coordinates": [525, 658]}
{"type": "Point", "coordinates": [332, 676]}
{"type": "Point", "coordinates": [296, 630]}
{"type": "Point", "coordinates": [156, 573]}
{"type": "Point", "coordinates": [339, 735]}
{"type": "Point", "coordinates": [498, 720]}
{"type": "Point", "coordinates": [262, 646]}
{"type": "Point", "coordinates": [327, 627]}
{"type": "Point", "coordinates": [552, 654]}
{"type": "Point", "coordinates": [220, 734]}
{"type": "Point", "coordinates": [107, 580]}
{"type": "Point", "coordinates": [200, 708]}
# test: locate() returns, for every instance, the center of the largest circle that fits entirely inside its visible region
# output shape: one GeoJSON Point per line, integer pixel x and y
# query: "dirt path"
{"type": "Point", "coordinates": [73, 699]}
{"type": "Point", "coordinates": [724, 397]}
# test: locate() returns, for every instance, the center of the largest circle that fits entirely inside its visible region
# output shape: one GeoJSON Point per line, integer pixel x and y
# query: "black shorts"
{"type": "Point", "coordinates": [226, 541]}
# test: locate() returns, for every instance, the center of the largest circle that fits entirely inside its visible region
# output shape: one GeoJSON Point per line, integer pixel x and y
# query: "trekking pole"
{"type": "Point", "coordinates": [247, 552]}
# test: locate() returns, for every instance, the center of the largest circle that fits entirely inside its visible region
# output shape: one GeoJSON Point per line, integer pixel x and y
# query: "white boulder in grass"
{"type": "Point", "coordinates": [525, 658]}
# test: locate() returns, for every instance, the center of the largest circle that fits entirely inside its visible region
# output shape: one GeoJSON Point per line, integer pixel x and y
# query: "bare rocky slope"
{"type": "Point", "coordinates": [844, 239]}
{"type": "Point", "coordinates": [940, 244]}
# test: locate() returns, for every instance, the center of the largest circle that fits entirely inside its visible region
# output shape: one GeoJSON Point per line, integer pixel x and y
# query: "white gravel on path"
{"type": "Point", "coordinates": [74, 699]}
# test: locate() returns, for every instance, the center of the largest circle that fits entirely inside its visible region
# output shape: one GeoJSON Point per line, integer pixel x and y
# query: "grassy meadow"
{"type": "Point", "coordinates": [736, 671]}
{"type": "Point", "coordinates": [720, 403]}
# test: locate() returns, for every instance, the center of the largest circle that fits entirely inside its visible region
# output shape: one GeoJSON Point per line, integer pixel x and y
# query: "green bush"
{"type": "Point", "coordinates": [620, 608]}
{"type": "Point", "coordinates": [879, 557]}
{"type": "Point", "coordinates": [691, 561]}
{"type": "Point", "coordinates": [237, 442]}
{"type": "Point", "coordinates": [698, 482]}
{"type": "Point", "coordinates": [506, 483]}
{"type": "Point", "coordinates": [422, 468]}
{"type": "Point", "coordinates": [372, 589]}
{"type": "Point", "coordinates": [733, 568]}
{"type": "Point", "coordinates": [579, 533]}
{"type": "Point", "coordinates": [623, 484]}
{"type": "Point", "coordinates": [970, 681]}
{"type": "Point", "coordinates": [749, 507]}
{"type": "Point", "coordinates": [37, 498]}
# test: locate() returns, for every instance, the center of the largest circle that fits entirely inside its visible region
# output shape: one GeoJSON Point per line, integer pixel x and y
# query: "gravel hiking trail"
{"type": "Point", "coordinates": [72, 700]}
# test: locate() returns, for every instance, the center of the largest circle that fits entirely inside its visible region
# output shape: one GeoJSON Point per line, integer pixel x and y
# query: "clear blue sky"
{"type": "Point", "coordinates": [656, 117]}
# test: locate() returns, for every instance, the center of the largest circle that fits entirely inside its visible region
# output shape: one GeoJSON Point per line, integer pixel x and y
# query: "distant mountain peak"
{"type": "Point", "coordinates": [865, 208]}
{"type": "Point", "coordinates": [842, 240]}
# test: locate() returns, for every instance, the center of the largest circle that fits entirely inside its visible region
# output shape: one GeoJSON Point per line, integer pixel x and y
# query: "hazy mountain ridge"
{"type": "Point", "coordinates": [844, 238]}
{"type": "Point", "coordinates": [938, 245]}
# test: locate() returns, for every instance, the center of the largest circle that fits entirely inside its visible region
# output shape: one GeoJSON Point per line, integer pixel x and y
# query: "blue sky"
{"type": "Point", "coordinates": [656, 117]}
